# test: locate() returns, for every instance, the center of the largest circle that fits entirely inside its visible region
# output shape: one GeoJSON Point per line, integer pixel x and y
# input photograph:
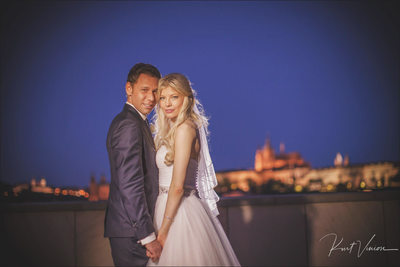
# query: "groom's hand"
{"type": "Point", "coordinates": [154, 248]}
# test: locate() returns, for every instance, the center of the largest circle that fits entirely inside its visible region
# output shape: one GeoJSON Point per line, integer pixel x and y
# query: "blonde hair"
{"type": "Point", "coordinates": [165, 129]}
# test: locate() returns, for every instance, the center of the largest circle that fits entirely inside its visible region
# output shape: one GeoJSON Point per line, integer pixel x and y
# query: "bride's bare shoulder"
{"type": "Point", "coordinates": [188, 127]}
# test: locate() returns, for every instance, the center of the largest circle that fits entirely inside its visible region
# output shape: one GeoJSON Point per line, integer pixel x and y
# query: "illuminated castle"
{"type": "Point", "coordinates": [291, 170]}
{"type": "Point", "coordinates": [266, 159]}
{"type": "Point", "coordinates": [41, 186]}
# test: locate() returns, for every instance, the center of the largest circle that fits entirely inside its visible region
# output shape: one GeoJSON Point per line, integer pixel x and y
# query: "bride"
{"type": "Point", "coordinates": [186, 210]}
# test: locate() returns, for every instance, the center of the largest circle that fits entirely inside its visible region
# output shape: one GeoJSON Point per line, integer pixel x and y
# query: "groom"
{"type": "Point", "coordinates": [134, 174]}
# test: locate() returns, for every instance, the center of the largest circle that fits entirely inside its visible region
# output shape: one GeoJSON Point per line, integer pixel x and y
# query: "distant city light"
{"type": "Point", "coordinates": [298, 188]}
{"type": "Point", "coordinates": [329, 187]}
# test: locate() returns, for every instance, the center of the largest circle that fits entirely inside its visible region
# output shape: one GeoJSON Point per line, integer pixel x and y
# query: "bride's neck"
{"type": "Point", "coordinates": [171, 123]}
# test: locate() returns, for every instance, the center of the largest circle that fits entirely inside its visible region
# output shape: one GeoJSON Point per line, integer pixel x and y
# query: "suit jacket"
{"type": "Point", "coordinates": [134, 177]}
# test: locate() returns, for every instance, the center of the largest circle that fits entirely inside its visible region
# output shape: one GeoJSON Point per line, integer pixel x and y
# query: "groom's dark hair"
{"type": "Point", "coordinates": [140, 68]}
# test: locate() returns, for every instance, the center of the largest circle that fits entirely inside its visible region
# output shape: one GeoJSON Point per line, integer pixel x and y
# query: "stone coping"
{"type": "Point", "coordinates": [272, 199]}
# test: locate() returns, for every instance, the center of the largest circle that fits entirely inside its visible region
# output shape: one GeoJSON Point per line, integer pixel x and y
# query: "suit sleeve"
{"type": "Point", "coordinates": [127, 146]}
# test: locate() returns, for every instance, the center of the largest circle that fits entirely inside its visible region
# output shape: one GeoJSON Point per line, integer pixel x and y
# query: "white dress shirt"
{"type": "Point", "coordinates": [152, 236]}
{"type": "Point", "coordinates": [144, 117]}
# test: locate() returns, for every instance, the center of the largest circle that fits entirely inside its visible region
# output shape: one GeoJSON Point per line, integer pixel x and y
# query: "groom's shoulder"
{"type": "Point", "coordinates": [125, 118]}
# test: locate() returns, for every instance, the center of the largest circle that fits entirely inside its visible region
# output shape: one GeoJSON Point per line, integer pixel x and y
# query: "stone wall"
{"type": "Point", "coordinates": [273, 230]}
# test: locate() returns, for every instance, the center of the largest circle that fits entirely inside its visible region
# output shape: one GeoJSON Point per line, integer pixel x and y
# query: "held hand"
{"type": "Point", "coordinates": [149, 255]}
{"type": "Point", "coordinates": [153, 250]}
{"type": "Point", "coordinates": [161, 237]}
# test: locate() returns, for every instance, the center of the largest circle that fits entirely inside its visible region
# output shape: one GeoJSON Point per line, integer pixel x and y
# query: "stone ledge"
{"type": "Point", "coordinates": [278, 199]}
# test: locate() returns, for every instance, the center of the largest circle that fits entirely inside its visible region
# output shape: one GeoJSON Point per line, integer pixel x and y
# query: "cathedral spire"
{"type": "Point", "coordinates": [282, 148]}
{"type": "Point", "coordinates": [268, 141]}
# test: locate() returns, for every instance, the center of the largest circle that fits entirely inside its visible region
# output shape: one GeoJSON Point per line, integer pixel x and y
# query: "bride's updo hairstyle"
{"type": "Point", "coordinates": [165, 128]}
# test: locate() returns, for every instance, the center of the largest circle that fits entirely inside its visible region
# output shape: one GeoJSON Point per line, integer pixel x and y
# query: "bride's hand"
{"type": "Point", "coordinates": [161, 237]}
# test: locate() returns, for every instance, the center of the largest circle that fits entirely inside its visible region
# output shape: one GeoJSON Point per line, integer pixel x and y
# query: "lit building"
{"type": "Point", "coordinates": [98, 191]}
{"type": "Point", "coordinates": [40, 191]}
{"type": "Point", "coordinates": [283, 167]}
{"type": "Point", "coordinates": [103, 189]}
{"type": "Point", "coordinates": [355, 176]}
{"type": "Point", "coordinates": [291, 170]}
{"type": "Point", "coordinates": [93, 190]}
{"type": "Point", "coordinates": [19, 188]}
{"type": "Point", "coordinates": [41, 187]}
{"type": "Point", "coordinates": [266, 159]}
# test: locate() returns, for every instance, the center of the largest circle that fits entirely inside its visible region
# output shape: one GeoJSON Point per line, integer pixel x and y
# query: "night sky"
{"type": "Point", "coordinates": [320, 76]}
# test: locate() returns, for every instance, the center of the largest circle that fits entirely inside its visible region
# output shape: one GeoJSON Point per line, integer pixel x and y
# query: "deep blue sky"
{"type": "Point", "coordinates": [321, 76]}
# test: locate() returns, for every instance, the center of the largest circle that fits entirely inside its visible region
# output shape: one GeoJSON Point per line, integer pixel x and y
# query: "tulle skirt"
{"type": "Point", "coordinates": [195, 238]}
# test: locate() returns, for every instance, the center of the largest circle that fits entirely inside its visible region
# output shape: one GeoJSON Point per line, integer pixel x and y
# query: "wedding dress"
{"type": "Point", "coordinates": [196, 237]}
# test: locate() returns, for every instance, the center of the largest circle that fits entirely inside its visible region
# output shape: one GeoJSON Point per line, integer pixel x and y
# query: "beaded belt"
{"type": "Point", "coordinates": [186, 191]}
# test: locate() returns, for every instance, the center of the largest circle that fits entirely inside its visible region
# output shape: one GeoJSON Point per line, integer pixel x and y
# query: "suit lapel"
{"type": "Point", "coordinates": [145, 127]}
{"type": "Point", "coordinates": [148, 133]}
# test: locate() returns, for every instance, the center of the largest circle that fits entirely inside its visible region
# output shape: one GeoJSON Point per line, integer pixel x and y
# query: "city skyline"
{"type": "Point", "coordinates": [101, 177]}
{"type": "Point", "coordinates": [321, 77]}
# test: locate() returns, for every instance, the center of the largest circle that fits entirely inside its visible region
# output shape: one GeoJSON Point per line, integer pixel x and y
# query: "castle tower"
{"type": "Point", "coordinates": [93, 189]}
{"type": "Point", "coordinates": [103, 188]}
{"type": "Point", "coordinates": [258, 161]}
{"type": "Point", "coordinates": [268, 151]}
{"type": "Point", "coordinates": [264, 157]}
{"type": "Point", "coordinates": [338, 160]}
{"type": "Point", "coordinates": [281, 148]}
{"type": "Point", "coordinates": [43, 182]}
{"type": "Point", "coordinates": [346, 160]}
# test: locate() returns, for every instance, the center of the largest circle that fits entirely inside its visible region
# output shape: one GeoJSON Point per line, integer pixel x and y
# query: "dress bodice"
{"type": "Point", "coordinates": [165, 172]}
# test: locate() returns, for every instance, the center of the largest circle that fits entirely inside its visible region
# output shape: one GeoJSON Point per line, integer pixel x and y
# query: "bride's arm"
{"type": "Point", "coordinates": [185, 135]}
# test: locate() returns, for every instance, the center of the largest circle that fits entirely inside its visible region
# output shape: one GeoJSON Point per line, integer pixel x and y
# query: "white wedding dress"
{"type": "Point", "coordinates": [196, 237]}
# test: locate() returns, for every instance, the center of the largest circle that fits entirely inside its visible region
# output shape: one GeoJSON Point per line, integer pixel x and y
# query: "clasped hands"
{"type": "Point", "coordinates": [154, 248]}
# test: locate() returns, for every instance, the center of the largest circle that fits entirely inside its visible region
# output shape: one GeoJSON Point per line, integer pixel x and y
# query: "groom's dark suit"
{"type": "Point", "coordinates": [133, 188]}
